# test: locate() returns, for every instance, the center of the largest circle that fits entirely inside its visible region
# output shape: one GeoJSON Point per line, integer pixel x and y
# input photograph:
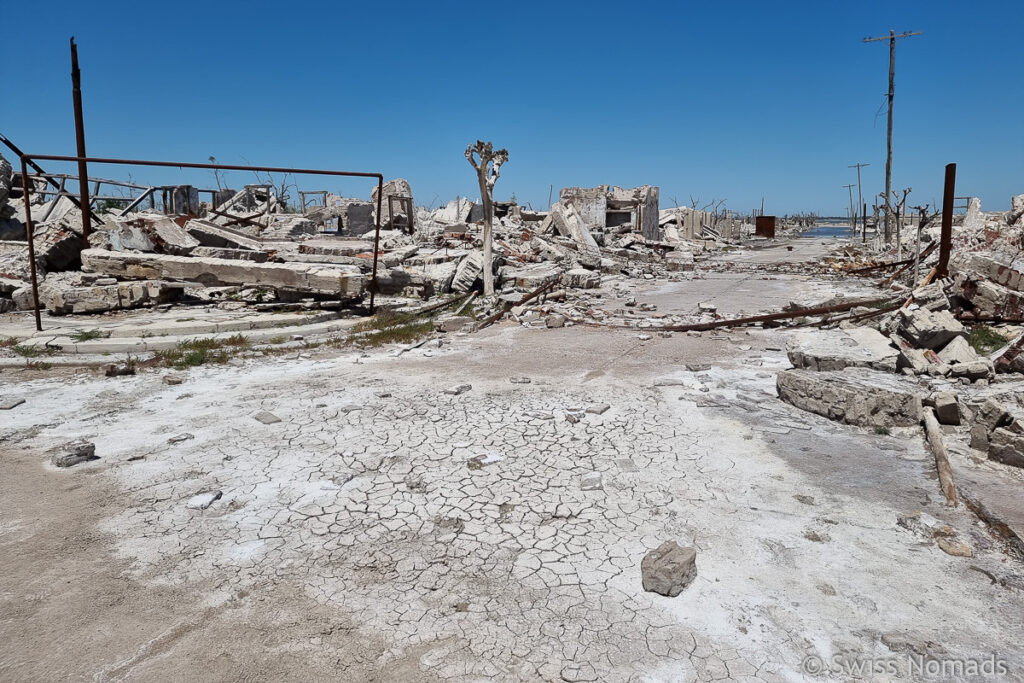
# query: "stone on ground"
{"type": "Point", "coordinates": [669, 569]}
{"type": "Point", "coordinates": [75, 452]}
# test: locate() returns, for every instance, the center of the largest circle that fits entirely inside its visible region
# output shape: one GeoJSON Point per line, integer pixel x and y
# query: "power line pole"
{"type": "Point", "coordinates": [892, 37]}
{"type": "Point", "coordinates": [860, 197]}
{"type": "Point", "coordinates": [853, 212]}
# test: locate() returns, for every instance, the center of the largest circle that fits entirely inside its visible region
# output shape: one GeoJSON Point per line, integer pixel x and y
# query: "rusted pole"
{"type": "Point", "coordinates": [29, 234]}
{"type": "Point", "coordinates": [376, 242]}
{"type": "Point", "coordinates": [83, 170]}
{"type": "Point", "coordinates": [946, 239]}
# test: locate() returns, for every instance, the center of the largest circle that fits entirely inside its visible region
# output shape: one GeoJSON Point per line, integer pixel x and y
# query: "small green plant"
{"type": "Point", "coordinates": [985, 340]}
{"type": "Point", "coordinates": [278, 339]}
{"type": "Point", "coordinates": [237, 340]}
{"type": "Point", "coordinates": [88, 335]}
{"type": "Point", "coordinates": [399, 334]}
{"type": "Point", "coordinates": [38, 365]}
{"type": "Point", "coordinates": [195, 352]}
{"type": "Point", "coordinates": [34, 351]}
{"type": "Point", "coordinates": [8, 342]}
{"type": "Point", "coordinates": [884, 431]}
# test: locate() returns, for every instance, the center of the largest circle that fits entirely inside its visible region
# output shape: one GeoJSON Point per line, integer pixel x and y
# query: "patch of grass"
{"type": "Point", "coordinates": [37, 365]}
{"type": "Point", "coordinates": [277, 339]}
{"type": "Point", "coordinates": [192, 353]}
{"type": "Point", "coordinates": [398, 334]}
{"type": "Point", "coordinates": [383, 319]}
{"type": "Point", "coordinates": [8, 342]}
{"type": "Point", "coordinates": [985, 340]}
{"type": "Point", "coordinates": [34, 351]}
{"type": "Point", "coordinates": [884, 431]}
{"type": "Point", "coordinates": [88, 335]}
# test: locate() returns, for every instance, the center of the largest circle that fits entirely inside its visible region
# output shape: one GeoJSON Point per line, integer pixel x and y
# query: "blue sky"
{"type": "Point", "coordinates": [729, 100]}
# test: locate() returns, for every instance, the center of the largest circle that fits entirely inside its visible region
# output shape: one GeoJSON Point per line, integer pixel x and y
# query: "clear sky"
{"type": "Point", "coordinates": [729, 100]}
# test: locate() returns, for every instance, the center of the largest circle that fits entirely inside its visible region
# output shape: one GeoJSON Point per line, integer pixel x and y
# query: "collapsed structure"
{"type": "Point", "coordinates": [180, 244]}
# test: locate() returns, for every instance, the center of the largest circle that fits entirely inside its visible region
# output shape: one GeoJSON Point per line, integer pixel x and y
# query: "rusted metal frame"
{"type": "Point", "coordinates": [737, 322]}
{"type": "Point", "coordinates": [29, 159]}
{"type": "Point", "coordinates": [138, 200]}
{"type": "Point", "coordinates": [37, 168]}
{"type": "Point", "coordinates": [526, 299]}
{"type": "Point", "coordinates": [236, 220]}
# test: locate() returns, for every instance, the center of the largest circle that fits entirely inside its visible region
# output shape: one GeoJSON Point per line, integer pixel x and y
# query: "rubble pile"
{"type": "Point", "coordinates": [952, 345]}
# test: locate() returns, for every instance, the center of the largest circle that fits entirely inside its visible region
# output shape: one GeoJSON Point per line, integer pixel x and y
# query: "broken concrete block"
{"type": "Point", "coordinates": [458, 389]}
{"type": "Point", "coordinates": [452, 323]}
{"type": "Point", "coordinates": [1007, 446]}
{"type": "Point", "coordinates": [346, 281]}
{"type": "Point", "coordinates": [180, 438]}
{"type": "Point", "coordinates": [927, 329]}
{"type": "Point", "coordinates": [173, 379]}
{"type": "Point", "coordinates": [555, 320]}
{"type": "Point", "coordinates": [837, 349]}
{"type": "Point", "coordinates": [202, 501]}
{"type": "Point", "coordinates": [10, 403]}
{"type": "Point", "coordinates": [581, 278]}
{"type": "Point", "coordinates": [468, 270]}
{"type": "Point", "coordinates": [598, 409]}
{"type": "Point", "coordinates": [74, 452]}
{"type": "Point", "coordinates": [668, 569]}
{"type": "Point", "coordinates": [232, 254]}
{"type": "Point", "coordinates": [989, 417]}
{"type": "Point", "coordinates": [591, 482]}
{"type": "Point", "coordinates": [959, 350]}
{"type": "Point", "coordinates": [266, 418]}
{"type": "Point", "coordinates": [947, 410]}
{"type": "Point", "coordinates": [60, 297]}
{"type": "Point", "coordinates": [858, 396]}
{"type": "Point", "coordinates": [913, 361]}
{"type": "Point", "coordinates": [144, 232]}
{"type": "Point", "coordinates": [212, 235]}
{"type": "Point", "coordinates": [979, 369]}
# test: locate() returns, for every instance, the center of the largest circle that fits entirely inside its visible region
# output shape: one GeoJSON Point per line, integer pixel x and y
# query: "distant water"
{"type": "Point", "coordinates": [820, 231]}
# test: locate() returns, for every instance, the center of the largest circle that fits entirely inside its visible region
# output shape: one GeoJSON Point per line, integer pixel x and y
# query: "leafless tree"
{"type": "Point", "coordinates": [487, 163]}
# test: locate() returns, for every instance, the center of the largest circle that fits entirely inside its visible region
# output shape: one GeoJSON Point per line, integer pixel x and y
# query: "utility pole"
{"type": "Point", "coordinates": [83, 173]}
{"type": "Point", "coordinates": [860, 197]}
{"type": "Point", "coordinates": [853, 211]}
{"type": "Point", "coordinates": [892, 37]}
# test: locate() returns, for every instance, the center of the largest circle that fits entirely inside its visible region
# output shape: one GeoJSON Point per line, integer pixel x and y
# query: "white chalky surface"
{"type": "Point", "coordinates": [510, 570]}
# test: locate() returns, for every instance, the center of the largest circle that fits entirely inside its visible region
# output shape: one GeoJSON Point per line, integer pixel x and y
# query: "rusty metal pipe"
{"type": "Point", "coordinates": [376, 242]}
{"type": "Point", "coordinates": [83, 170]}
{"type": "Point", "coordinates": [946, 239]}
{"type": "Point", "coordinates": [29, 235]}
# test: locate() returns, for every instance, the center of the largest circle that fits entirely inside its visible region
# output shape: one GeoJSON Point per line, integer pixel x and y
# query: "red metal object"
{"type": "Point", "coordinates": [946, 239]}
{"type": "Point", "coordinates": [27, 159]}
{"type": "Point", "coordinates": [764, 226]}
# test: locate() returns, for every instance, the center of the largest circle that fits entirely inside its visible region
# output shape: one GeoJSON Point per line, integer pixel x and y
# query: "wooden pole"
{"type": "Point", "coordinates": [946, 238]}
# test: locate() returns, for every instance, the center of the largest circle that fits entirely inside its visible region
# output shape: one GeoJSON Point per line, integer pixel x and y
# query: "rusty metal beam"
{"type": "Point", "coordinates": [83, 170]}
{"type": "Point", "coordinates": [946, 240]}
{"type": "Point", "coordinates": [526, 299]}
{"type": "Point", "coordinates": [28, 159]}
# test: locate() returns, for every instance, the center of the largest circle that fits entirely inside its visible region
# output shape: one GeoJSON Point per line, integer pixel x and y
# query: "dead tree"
{"type": "Point", "coordinates": [487, 163]}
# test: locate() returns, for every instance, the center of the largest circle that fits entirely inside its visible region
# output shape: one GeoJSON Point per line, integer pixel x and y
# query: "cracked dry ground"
{"type": "Point", "coordinates": [354, 540]}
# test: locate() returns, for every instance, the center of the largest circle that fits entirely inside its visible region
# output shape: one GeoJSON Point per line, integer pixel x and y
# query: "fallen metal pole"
{"type": "Point", "coordinates": [526, 299]}
{"type": "Point", "coordinates": [837, 308]}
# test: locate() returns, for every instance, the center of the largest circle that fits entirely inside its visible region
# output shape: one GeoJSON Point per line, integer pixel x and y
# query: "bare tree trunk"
{"type": "Point", "coordinates": [488, 170]}
{"type": "Point", "coordinates": [485, 197]}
